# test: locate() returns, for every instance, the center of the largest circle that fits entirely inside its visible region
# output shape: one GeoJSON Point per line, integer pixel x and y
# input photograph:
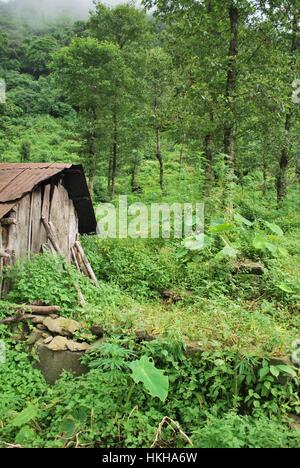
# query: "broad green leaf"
{"type": "Point", "coordinates": [262, 243]}
{"type": "Point", "coordinates": [217, 221]}
{"type": "Point", "coordinates": [272, 248]}
{"type": "Point", "coordinates": [285, 288]}
{"type": "Point", "coordinates": [240, 219]}
{"type": "Point", "coordinates": [274, 371]}
{"type": "Point", "coordinates": [68, 427]}
{"type": "Point", "coordinates": [282, 251]}
{"type": "Point", "coordinates": [259, 242]}
{"type": "Point", "coordinates": [229, 251]}
{"type": "Point", "coordinates": [28, 414]}
{"type": "Point", "coordinates": [286, 370]}
{"type": "Point", "coordinates": [193, 244]}
{"type": "Point", "coordinates": [157, 384]}
{"type": "Point", "coordinates": [263, 372]}
{"type": "Point", "coordinates": [25, 436]}
{"type": "Point", "coordinates": [197, 244]}
{"type": "Point", "coordinates": [219, 228]}
{"type": "Point", "coordinates": [274, 228]}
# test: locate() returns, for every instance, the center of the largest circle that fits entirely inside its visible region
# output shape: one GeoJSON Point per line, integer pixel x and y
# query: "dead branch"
{"type": "Point", "coordinates": [17, 318]}
{"type": "Point", "coordinates": [174, 426]}
{"type": "Point", "coordinates": [10, 446]}
{"type": "Point", "coordinates": [43, 310]}
{"type": "Point", "coordinates": [22, 316]}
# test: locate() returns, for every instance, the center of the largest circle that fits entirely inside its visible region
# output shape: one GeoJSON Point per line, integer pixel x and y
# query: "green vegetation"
{"type": "Point", "coordinates": [193, 104]}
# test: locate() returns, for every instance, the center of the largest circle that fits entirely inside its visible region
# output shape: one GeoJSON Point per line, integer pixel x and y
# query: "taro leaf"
{"type": "Point", "coordinates": [27, 415]}
{"type": "Point", "coordinates": [157, 384]}
{"type": "Point", "coordinates": [262, 243]}
{"type": "Point", "coordinates": [259, 242]}
{"type": "Point", "coordinates": [202, 242]}
{"type": "Point", "coordinates": [272, 248]}
{"type": "Point", "coordinates": [229, 251]}
{"type": "Point", "coordinates": [274, 228]}
{"type": "Point", "coordinates": [241, 220]}
{"type": "Point", "coordinates": [193, 244]}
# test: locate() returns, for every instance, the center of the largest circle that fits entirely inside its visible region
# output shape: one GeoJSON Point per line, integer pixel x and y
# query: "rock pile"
{"type": "Point", "coordinates": [57, 349]}
{"type": "Point", "coordinates": [55, 333]}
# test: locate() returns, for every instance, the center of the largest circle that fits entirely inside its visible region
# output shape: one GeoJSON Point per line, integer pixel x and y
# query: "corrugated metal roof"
{"type": "Point", "coordinates": [18, 179]}
{"type": "Point", "coordinates": [17, 166]}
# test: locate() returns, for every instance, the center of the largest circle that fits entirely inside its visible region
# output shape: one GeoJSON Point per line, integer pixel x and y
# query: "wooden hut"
{"type": "Point", "coordinates": [43, 207]}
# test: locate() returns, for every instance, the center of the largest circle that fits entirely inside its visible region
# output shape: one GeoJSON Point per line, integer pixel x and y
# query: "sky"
{"type": "Point", "coordinates": [49, 9]}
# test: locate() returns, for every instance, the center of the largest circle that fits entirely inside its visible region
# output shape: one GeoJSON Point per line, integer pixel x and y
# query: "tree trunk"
{"type": "Point", "coordinates": [297, 171]}
{"type": "Point", "coordinates": [208, 140]}
{"type": "Point", "coordinates": [91, 183]}
{"type": "Point", "coordinates": [114, 156]}
{"type": "Point", "coordinates": [160, 159]}
{"type": "Point", "coordinates": [281, 186]}
{"type": "Point", "coordinates": [133, 177]}
{"type": "Point", "coordinates": [91, 144]}
{"type": "Point", "coordinates": [181, 155]}
{"type": "Point", "coordinates": [229, 137]}
{"type": "Point", "coordinates": [109, 174]}
{"type": "Point", "coordinates": [265, 176]}
{"type": "Point", "coordinates": [284, 161]}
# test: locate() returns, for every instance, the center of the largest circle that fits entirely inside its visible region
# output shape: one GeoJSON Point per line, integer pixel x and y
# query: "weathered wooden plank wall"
{"type": "Point", "coordinates": [37, 230]}
{"type": "Point", "coordinates": [60, 217]}
{"type": "Point", "coordinates": [29, 234]}
{"type": "Point", "coordinates": [20, 241]}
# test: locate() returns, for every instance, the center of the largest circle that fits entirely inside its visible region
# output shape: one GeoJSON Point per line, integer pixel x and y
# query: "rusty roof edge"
{"type": "Point", "coordinates": [33, 166]}
{"type": "Point", "coordinates": [26, 186]}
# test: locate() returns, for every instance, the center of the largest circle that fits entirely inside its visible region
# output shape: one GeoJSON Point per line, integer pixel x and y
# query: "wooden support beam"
{"type": "Point", "coordinates": [87, 264]}
{"type": "Point", "coordinates": [81, 298]}
{"type": "Point", "coordinates": [51, 234]}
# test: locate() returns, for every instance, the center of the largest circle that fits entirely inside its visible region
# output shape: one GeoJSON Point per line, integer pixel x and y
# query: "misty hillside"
{"type": "Point", "coordinates": [37, 11]}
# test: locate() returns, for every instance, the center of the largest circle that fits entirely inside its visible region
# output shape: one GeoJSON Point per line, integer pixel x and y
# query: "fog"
{"type": "Point", "coordinates": [47, 10]}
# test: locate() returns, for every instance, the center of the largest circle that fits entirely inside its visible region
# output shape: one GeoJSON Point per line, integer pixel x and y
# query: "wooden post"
{"type": "Point", "coordinates": [86, 263]}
